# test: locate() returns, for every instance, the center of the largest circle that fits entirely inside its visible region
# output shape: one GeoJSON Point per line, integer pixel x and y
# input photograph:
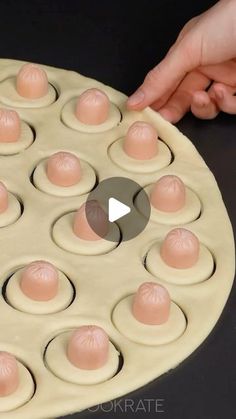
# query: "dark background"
{"type": "Point", "coordinates": [117, 43]}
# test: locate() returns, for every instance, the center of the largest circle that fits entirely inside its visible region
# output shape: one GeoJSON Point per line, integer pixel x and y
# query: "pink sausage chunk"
{"type": "Point", "coordinates": [180, 249]}
{"type": "Point", "coordinates": [31, 82]}
{"type": "Point", "coordinates": [10, 126]}
{"type": "Point", "coordinates": [91, 222]}
{"type": "Point", "coordinates": [88, 348]}
{"type": "Point", "coordinates": [168, 194]}
{"type": "Point", "coordinates": [9, 374]}
{"type": "Point", "coordinates": [63, 169]}
{"type": "Point", "coordinates": [151, 304]}
{"type": "Point", "coordinates": [92, 107]}
{"type": "Point", "coordinates": [141, 141]}
{"type": "Point", "coordinates": [39, 281]}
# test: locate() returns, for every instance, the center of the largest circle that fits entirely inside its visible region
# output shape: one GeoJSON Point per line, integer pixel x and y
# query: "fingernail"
{"type": "Point", "coordinates": [136, 98]}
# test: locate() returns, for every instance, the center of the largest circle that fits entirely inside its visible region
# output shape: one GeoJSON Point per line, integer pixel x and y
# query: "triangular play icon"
{"type": "Point", "coordinates": [117, 209]}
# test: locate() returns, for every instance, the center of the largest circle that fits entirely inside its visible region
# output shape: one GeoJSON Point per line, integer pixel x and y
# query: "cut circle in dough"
{"type": "Point", "coordinates": [70, 120]}
{"type": "Point", "coordinates": [58, 363]}
{"type": "Point", "coordinates": [10, 97]}
{"type": "Point", "coordinates": [200, 272]}
{"type": "Point", "coordinates": [65, 238]}
{"type": "Point", "coordinates": [12, 213]}
{"type": "Point", "coordinates": [121, 159]}
{"type": "Point", "coordinates": [23, 393]}
{"type": "Point", "coordinates": [188, 213]}
{"type": "Point", "coordinates": [25, 140]}
{"type": "Point", "coordinates": [17, 299]}
{"type": "Point", "coordinates": [85, 184]}
{"type": "Point", "coordinates": [144, 334]}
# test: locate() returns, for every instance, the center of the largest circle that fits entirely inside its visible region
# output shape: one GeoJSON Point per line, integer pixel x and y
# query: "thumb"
{"type": "Point", "coordinates": [165, 76]}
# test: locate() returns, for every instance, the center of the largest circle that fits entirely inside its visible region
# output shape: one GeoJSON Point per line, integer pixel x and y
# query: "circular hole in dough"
{"type": "Point", "coordinates": [200, 272]}
{"type": "Point", "coordinates": [85, 185]}
{"type": "Point", "coordinates": [70, 120]}
{"type": "Point", "coordinates": [121, 159]}
{"type": "Point", "coordinates": [190, 211]}
{"type": "Point", "coordinates": [65, 238]}
{"type": "Point", "coordinates": [10, 97]}
{"type": "Point", "coordinates": [17, 299]}
{"type": "Point", "coordinates": [27, 137]}
{"type": "Point", "coordinates": [23, 393]}
{"type": "Point", "coordinates": [152, 335]}
{"type": "Point", "coordinates": [57, 362]}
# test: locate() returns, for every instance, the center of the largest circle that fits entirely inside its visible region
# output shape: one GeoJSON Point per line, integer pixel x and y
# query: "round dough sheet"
{"type": "Point", "coordinates": [104, 273]}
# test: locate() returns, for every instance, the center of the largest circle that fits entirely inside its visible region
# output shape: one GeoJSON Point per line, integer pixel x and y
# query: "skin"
{"type": "Point", "coordinates": [199, 71]}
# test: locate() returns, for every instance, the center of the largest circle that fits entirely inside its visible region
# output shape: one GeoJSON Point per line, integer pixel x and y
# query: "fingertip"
{"type": "Point", "coordinates": [166, 114]}
{"type": "Point", "coordinates": [136, 100]}
{"type": "Point", "coordinates": [225, 97]}
{"type": "Point", "coordinates": [219, 91]}
{"type": "Point", "coordinates": [170, 115]}
{"type": "Point", "coordinates": [203, 106]}
{"type": "Point", "coordinates": [200, 99]}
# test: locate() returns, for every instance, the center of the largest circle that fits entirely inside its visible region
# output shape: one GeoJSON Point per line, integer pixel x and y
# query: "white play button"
{"type": "Point", "coordinates": [117, 209]}
{"type": "Point", "coordinates": [116, 195]}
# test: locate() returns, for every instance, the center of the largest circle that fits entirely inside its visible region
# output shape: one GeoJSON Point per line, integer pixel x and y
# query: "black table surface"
{"type": "Point", "coordinates": [117, 43]}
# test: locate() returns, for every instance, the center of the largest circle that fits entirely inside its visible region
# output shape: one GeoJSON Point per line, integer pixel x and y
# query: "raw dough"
{"type": "Point", "coordinates": [85, 184]}
{"type": "Point", "coordinates": [119, 157]}
{"type": "Point", "coordinates": [198, 273]}
{"type": "Point", "coordinates": [25, 140]}
{"type": "Point", "coordinates": [188, 213]}
{"type": "Point", "coordinates": [58, 363]}
{"type": "Point", "coordinates": [23, 303]}
{"type": "Point", "coordinates": [65, 238]}
{"type": "Point", "coordinates": [69, 118]}
{"type": "Point", "coordinates": [12, 213]}
{"type": "Point", "coordinates": [101, 281]}
{"type": "Point", "coordinates": [10, 97]}
{"type": "Point", "coordinates": [144, 334]}
{"type": "Point", "coordinates": [23, 393]}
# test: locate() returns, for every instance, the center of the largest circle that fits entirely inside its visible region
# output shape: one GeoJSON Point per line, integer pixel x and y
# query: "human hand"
{"type": "Point", "coordinates": [202, 58]}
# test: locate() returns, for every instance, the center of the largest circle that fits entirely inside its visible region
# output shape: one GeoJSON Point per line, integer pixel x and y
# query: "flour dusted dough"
{"type": "Point", "coordinates": [102, 280]}
{"type": "Point", "coordinates": [69, 118]}
{"type": "Point", "coordinates": [85, 184]}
